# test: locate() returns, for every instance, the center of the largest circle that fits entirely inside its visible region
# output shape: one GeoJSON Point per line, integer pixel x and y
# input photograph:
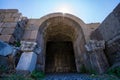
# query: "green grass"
{"type": "Point", "coordinates": [114, 71]}
{"type": "Point", "coordinates": [15, 77]}
{"type": "Point", "coordinates": [37, 74]}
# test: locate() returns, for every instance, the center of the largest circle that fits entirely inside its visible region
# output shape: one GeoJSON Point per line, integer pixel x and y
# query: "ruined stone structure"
{"type": "Point", "coordinates": [61, 42]}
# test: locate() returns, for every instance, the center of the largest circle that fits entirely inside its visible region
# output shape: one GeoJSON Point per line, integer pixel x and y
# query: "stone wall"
{"type": "Point", "coordinates": [109, 30]}
{"type": "Point", "coordinates": [14, 27]}
{"type": "Point", "coordinates": [97, 62]}
{"type": "Point", "coordinates": [11, 25]}
{"type": "Point", "coordinates": [31, 30]}
{"type": "Point", "coordinates": [90, 28]}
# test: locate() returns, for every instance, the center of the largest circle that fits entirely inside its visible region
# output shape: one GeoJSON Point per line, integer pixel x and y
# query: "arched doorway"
{"type": "Point", "coordinates": [62, 41]}
{"type": "Point", "coordinates": [59, 57]}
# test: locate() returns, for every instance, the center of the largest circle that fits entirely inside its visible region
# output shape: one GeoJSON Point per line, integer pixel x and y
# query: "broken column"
{"type": "Point", "coordinates": [28, 58]}
{"type": "Point", "coordinates": [97, 59]}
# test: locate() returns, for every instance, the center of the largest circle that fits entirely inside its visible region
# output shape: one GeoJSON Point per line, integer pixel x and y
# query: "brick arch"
{"type": "Point", "coordinates": [71, 28]}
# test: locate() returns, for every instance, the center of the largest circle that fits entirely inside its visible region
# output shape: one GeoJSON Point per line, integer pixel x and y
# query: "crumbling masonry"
{"type": "Point", "coordinates": [73, 44]}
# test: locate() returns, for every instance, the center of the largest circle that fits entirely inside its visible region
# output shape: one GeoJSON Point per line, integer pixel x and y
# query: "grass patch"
{"type": "Point", "coordinates": [15, 77]}
{"type": "Point", "coordinates": [3, 69]}
{"type": "Point", "coordinates": [37, 74]}
{"type": "Point", "coordinates": [114, 71]}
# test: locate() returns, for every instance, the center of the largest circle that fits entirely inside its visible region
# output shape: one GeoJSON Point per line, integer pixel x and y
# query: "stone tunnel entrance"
{"type": "Point", "coordinates": [62, 44]}
{"type": "Point", "coordinates": [60, 57]}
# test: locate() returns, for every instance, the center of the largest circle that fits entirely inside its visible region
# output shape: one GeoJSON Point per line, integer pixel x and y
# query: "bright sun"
{"type": "Point", "coordinates": [64, 9]}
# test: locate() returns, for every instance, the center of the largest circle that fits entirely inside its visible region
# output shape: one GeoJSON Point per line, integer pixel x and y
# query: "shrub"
{"type": "Point", "coordinates": [17, 44]}
{"type": "Point", "coordinates": [114, 71]}
{"type": "Point", "coordinates": [3, 68]}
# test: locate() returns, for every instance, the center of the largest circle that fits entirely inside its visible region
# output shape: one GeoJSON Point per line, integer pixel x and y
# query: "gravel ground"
{"type": "Point", "coordinates": [70, 76]}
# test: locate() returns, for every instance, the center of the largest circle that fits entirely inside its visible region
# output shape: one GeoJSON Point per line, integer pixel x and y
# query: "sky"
{"type": "Point", "coordinates": [89, 11]}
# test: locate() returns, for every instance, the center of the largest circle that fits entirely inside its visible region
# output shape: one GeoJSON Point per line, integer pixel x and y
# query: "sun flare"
{"type": "Point", "coordinates": [64, 9]}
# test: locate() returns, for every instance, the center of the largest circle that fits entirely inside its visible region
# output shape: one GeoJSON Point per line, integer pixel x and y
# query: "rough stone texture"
{"type": "Point", "coordinates": [27, 46]}
{"type": "Point", "coordinates": [58, 27]}
{"type": "Point", "coordinates": [7, 38]}
{"type": "Point", "coordinates": [7, 15]}
{"type": "Point", "coordinates": [12, 25]}
{"type": "Point", "coordinates": [61, 28]}
{"type": "Point", "coordinates": [5, 49]}
{"type": "Point", "coordinates": [90, 28]}
{"type": "Point", "coordinates": [4, 61]}
{"type": "Point", "coordinates": [26, 36]}
{"type": "Point", "coordinates": [7, 31]}
{"type": "Point", "coordinates": [27, 61]}
{"type": "Point", "coordinates": [1, 30]}
{"type": "Point", "coordinates": [19, 31]}
{"type": "Point", "coordinates": [8, 10]}
{"type": "Point", "coordinates": [96, 56]}
{"type": "Point", "coordinates": [9, 25]}
{"type": "Point", "coordinates": [113, 51]}
{"type": "Point", "coordinates": [1, 24]}
{"type": "Point", "coordinates": [109, 30]}
{"type": "Point", "coordinates": [31, 32]}
{"type": "Point", "coordinates": [37, 50]}
{"type": "Point", "coordinates": [94, 45]}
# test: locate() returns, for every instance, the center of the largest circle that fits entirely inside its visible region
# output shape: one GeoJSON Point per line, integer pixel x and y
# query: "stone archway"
{"type": "Point", "coordinates": [61, 29]}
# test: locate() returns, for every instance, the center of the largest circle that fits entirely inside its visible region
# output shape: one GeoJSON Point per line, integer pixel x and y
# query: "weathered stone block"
{"type": "Point", "coordinates": [7, 38]}
{"type": "Point", "coordinates": [93, 45]}
{"type": "Point", "coordinates": [27, 35]}
{"type": "Point", "coordinates": [1, 30]}
{"type": "Point", "coordinates": [4, 60]}
{"type": "Point", "coordinates": [8, 15]}
{"type": "Point", "coordinates": [2, 18]}
{"type": "Point", "coordinates": [27, 46]}
{"type": "Point", "coordinates": [11, 10]}
{"type": "Point", "coordinates": [32, 27]}
{"type": "Point", "coordinates": [18, 33]}
{"type": "Point", "coordinates": [27, 61]}
{"type": "Point", "coordinates": [33, 35]}
{"type": "Point", "coordinates": [97, 58]}
{"type": "Point", "coordinates": [37, 50]}
{"type": "Point", "coordinates": [1, 24]}
{"type": "Point", "coordinates": [17, 15]}
{"type": "Point", "coordinates": [2, 10]}
{"type": "Point", "coordinates": [7, 31]}
{"type": "Point", "coordinates": [17, 19]}
{"type": "Point", "coordinates": [10, 24]}
{"type": "Point", "coordinates": [5, 49]}
{"type": "Point", "coordinates": [9, 20]}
